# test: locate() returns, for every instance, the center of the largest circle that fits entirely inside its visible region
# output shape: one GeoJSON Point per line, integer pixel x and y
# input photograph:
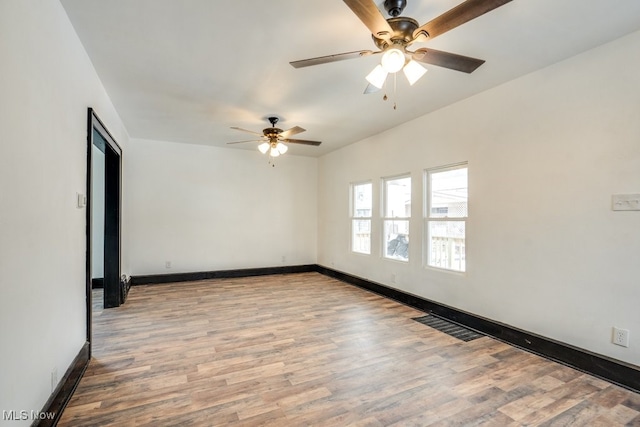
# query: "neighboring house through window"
{"type": "Point", "coordinates": [361, 206]}
{"type": "Point", "coordinates": [446, 217]}
{"type": "Point", "coordinates": [396, 215]}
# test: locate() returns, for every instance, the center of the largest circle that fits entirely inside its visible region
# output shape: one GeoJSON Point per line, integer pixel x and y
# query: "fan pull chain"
{"type": "Point", "coordinates": [395, 92]}
{"type": "Point", "coordinates": [384, 85]}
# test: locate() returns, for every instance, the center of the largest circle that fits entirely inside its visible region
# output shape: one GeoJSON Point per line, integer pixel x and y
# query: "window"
{"type": "Point", "coordinates": [361, 217]}
{"type": "Point", "coordinates": [396, 215]}
{"type": "Point", "coordinates": [446, 217]}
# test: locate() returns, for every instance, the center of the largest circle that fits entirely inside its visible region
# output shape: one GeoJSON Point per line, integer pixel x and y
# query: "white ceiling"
{"type": "Point", "coordinates": [188, 70]}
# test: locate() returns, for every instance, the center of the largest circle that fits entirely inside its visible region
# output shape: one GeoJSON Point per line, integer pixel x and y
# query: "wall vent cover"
{"type": "Point", "coordinates": [448, 328]}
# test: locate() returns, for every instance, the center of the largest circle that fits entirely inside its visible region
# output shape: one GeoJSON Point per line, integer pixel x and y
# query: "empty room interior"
{"type": "Point", "coordinates": [344, 212]}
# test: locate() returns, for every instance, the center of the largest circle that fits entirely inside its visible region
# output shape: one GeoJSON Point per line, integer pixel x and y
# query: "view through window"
{"type": "Point", "coordinates": [446, 215]}
{"type": "Point", "coordinates": [361, 203]}
{"type": "Point", "coordinates": [397, 212]}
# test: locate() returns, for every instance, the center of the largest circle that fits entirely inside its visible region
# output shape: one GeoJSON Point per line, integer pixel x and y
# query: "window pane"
{"type": "Point", "coordinates": [396, 239]}
{"type": "Point", "coordinates": [362, 200]}
{"type": "Point", "coordinates": [398, 198]}
{"type": "Point", "coordinates": [361, 237]}
{"type": "Point", "coordinates": [448, 194]}
{"type": "Point", "coordinates": [447, 244]}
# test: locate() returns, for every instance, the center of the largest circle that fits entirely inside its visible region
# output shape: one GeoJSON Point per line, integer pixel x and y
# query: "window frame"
{"type": "Point", "coordinates": [428, 218]}
{"type": "Point", "coordinates": [385, 219]}
{"type": "Point", "coordinates": [353, 217]}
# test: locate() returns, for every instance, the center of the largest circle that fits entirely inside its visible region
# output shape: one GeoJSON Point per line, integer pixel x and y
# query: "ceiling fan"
{"type": "Point", "coordinates": [393, 36]}
{"type": "Point", "coordinates": [273, 138]}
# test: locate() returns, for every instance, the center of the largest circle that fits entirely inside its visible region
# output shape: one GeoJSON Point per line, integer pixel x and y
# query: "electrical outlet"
{"type": "Point", "coordinates": [620, 337]}
{"type": "Point", "coordinates": [393, 279]}
{"type": "Point", "coordinates": [625, 202]}
{"type": "Point", "coordinates": [167, 264]}
{"type": "Point", "coordinates": [284, 259]}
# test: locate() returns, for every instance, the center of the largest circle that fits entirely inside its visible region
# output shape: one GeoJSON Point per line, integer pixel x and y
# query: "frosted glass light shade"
{"type": "Point", "coordinates": [393, 60]}
{"type": "Point", "coordinates": [377, 76]}
{"type": "Point", "coordinates": [274, 152]}
{"type": "Point", "coordinates": [264, 147]}
{"type": "Point", "coordinates": [281, 148]}
{"type": "Point", "coordinates": [413, 71]}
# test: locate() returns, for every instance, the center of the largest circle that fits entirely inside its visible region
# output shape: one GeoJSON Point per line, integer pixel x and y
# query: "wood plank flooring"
{"type": "Point", "coordinates": [308, 350]}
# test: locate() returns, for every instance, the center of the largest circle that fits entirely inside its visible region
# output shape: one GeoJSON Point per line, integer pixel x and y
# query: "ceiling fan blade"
{"type": "Point", "coordinates": [290, 132]}
{"type": "Point", "coordinates": [448, 60]}
{"type": "Point", "coordinates": [370, 16]}
{"type": "Point", "coordinates": [460, 14]}
{"type": "Point", "coordinates": [371, 89]}
{"type": "Point", "coordinates": [245, 130]}
{"type": "Point", "coordinates": [302, 141]}
{"type": "Point", "coordinates": [248, 140]}
{"type": "Point", "coordinates": [330, 58]}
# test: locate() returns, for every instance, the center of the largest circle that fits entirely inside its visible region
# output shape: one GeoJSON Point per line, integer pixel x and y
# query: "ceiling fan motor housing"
{"type": "Point", "coordinates": [394, 7]}
{"type": "Point", "coordinates": [272, 132]}
{"type": "Point", "coordinates": [403, 29]}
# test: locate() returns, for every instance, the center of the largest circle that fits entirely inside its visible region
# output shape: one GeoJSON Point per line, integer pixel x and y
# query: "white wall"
{"type": "Point", "coordinates": [205, 208]}
{"type": "Point", "coordinates": [47, 83]}
{"type": "Point", "coordinates": [545, 252]}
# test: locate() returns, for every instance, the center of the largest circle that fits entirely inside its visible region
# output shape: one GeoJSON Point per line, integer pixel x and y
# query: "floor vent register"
{"type": "Point", "coordinates": [448, 328]}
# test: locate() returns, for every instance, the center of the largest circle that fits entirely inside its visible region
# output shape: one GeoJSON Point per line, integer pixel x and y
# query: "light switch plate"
{"type": "Point", "coordinates": [82, 200]}
{"type": "Point", "coordinates": [625, 202]}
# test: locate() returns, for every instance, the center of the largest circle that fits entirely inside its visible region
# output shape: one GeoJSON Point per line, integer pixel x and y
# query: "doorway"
{"type": "Point", "coordinates": [104, 161]}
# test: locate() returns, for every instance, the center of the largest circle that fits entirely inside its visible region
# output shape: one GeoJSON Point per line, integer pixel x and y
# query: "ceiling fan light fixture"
{"type": "Point", "coordinates": [264, 147]}
{"type": "Point", "coordinates": [413, 71]}
{"type": "Point", "coordinates": [281, 148]}
{"type": "Point", "coordinates": [393, 60]}
{"type": "Point", "coordinates": [377, 76]}
{"type": "Point", "coordinates": [272, 138]}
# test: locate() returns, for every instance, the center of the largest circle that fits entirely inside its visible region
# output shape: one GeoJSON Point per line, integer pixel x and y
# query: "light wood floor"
{"type": "Point", "coordinates": [305, 349]}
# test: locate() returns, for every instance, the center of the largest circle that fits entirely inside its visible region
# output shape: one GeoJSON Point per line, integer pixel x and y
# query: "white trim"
{"type": "Point", "coordinates": [428, 219]}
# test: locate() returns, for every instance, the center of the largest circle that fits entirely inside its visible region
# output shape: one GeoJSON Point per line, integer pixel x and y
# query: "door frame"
{"type": "Point", "coordinates": [113, 201]}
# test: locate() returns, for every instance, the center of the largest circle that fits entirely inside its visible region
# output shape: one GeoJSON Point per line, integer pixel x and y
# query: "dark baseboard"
{"type": "Point", "coordinates": [614, 371]}
{"type": "Point", "coordinates": [62, 394]}
{"type": "Point", "coordinates": [221, 274]}
{"type": "Point", "coordinates": [97, 283]}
